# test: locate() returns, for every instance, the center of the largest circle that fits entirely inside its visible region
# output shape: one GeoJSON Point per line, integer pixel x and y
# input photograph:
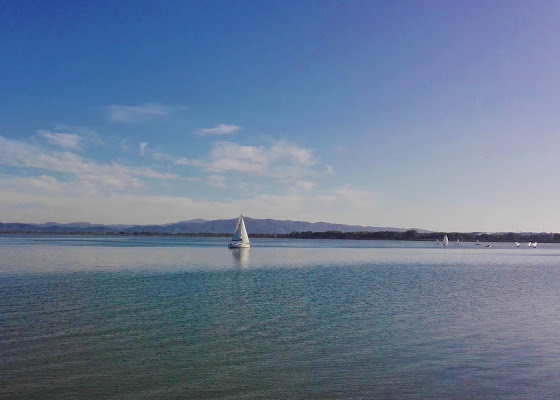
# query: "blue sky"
{"type": "Point", "coordinates": [433, 114]}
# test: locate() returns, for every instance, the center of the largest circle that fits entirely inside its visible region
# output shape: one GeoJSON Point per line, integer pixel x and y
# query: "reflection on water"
{"type": "Point", "coordinates": [241, 257]}
{"type": "Point", "coordinates": [32, 254]}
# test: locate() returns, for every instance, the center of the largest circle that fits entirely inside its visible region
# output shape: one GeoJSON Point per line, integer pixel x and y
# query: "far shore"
{"type": "Point", "coordinates": [410, 235]}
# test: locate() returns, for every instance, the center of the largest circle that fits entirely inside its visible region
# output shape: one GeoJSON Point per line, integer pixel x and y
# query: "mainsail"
{"type": "Point", "coordinates": [240, 234]}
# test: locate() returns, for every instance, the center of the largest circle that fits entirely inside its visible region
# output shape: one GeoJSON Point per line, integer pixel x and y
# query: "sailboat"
{"type": "Point", "coordinates": [530, 244]}
{"type": "Point", "coordinates": [534, 244]}
{"type": "Point", "coordinates": [516, 244]}
{"type": "Point", "coordinates": [240, 238]}
{"type": "Point", "coordinates": [458, 241]}
{"type": "Point", "coordinates": [445, 240]}
{"type": "Point", "coordinates": [437, 241]}
{"type": "Point", "coordinates": [477, 243]}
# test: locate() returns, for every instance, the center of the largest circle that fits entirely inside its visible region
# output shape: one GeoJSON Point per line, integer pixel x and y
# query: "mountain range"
{"type": "Point", "coordinates": [196, 226]}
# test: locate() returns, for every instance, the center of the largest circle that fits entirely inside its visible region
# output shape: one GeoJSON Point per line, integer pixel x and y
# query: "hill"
{"type": "Point", "coordinates": [254, 226]}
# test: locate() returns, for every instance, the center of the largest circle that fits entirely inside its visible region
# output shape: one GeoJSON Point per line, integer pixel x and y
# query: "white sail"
{"type": "Point", "coordinates": [529, 244]}
{"type": "Point", "coordinates": [458, 241]}
{"type": "Point", "coordinates": [445, 240]}
{"type": "Point", "coordinates": [516, 244]}
{"type": "Point", "coordinates": [244, 236]}
{"type": "Point", "coordinates": [240, 237]}
{"type": "Point", "coordinates": [534, 244]}
{"type": "Point", "coordinates": [477, 243]}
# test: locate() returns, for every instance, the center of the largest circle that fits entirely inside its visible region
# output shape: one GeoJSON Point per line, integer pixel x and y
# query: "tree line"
{"type": "Point", "coordinates": [364, 235]}
{"type": "Point", "coordinates": [415, 235]}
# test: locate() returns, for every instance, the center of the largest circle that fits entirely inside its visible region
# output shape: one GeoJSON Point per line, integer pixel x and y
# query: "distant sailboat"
{"type": "Point", "coordinates": [477, 243]}
{"type": "Point", "coordinates": [445, 240]}
{"type": "Point", "coordinates": [458, 241]}
{"type": "Point", "coordinates": [534, 244]}
{"type": "Point", "coordinates": [240, 238]}
{"type": "Point", "coordinates": [529, 244]}
{"type": "Point", "coordinates": [516, 244]}
{"type": "Point", "coordinates": [437, 241]}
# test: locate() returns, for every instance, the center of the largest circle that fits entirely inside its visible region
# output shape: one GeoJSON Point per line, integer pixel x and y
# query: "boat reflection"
{"type": "Point", "coordinates": [241, 257]}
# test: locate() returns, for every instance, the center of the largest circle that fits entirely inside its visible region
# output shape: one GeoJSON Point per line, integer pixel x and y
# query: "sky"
{"type": "Point", "coordinates": [441, 115]}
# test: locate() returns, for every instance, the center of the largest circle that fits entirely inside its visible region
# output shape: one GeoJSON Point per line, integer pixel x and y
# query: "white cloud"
{"type": "Point", "coordinates": [280, 160]}
{"type": "Point", "coordinates": [88, 135]}
{"type": "Point", "coordinates": [229, 156]}
{"type": "Point", "coordinates": [140, 113]}
{"type": "Point", "coordinates": [143, 146]}
{"type": "Point", "coordinates": [116, 176]}
{"type": "Point", "coordinates": [124, 145]}
{"type": "Point", "coordinates": [64, 140]}
{"type": "Point", "coordinates": [216, 181]}
{"type": "Point", "coordinates": [27, 201]}
{"type": "Point", "coordinates": [159, 156]}
{"type": "Point", "coordinates": [221, 129]}
{"type": "Point", "coordinates": [306, 186]}
{"type": "Point", "coordinates": [43, 182]}
{"type": "Point", "coordinates": [188, 162]}
{"type": "Point", "coordinates": [150, 173]}
{"type": "Point", "coordinates": [282, 151]}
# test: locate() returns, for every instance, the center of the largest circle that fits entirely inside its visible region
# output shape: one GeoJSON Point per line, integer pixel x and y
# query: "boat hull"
{"type": "Point", "coordinates": [239, 245]}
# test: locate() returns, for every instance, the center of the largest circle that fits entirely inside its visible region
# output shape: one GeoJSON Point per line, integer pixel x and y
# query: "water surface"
{"type": "Point", "coordinates": [171, 317]}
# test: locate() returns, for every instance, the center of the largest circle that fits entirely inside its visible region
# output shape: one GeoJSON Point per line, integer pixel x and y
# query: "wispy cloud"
{"type": "Point", "coordinates": [88, 135]}
{"type": "Point", "coordinates": [159, 156]}
{"type": "Point", "coordinates": [280, 160]}
{"type": "Point", "coordinates": [217, 181]}
{"type": "Point", "coordinates": [230, 156]}
{"type": "Point", "coordinates": [305, 186]}
{"type": "Point", "coordinates": [45, 183]}
{"type": "Point", "coordinates": [113, 175]}
{"type": "Point", "coordinates": [188, 162]}
{"type": "Point", "coordinates": [143, 146]}
{"type": "Point", "coordinates": [221, 129]}
{"type": "Point", "coordinates": [42, 196]}
{"type": "Point", "coordinates": [141, 113]}
{"type": "Point", "coordinates": [150, 173]}
{"type": "Point", "coordinates": [64, 140]}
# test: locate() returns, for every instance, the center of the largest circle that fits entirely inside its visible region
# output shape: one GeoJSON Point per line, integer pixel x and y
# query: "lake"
{"type": "Point", "coordinates": [96, 317]}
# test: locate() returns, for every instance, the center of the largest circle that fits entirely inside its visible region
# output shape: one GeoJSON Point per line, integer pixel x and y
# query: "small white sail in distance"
{"type": "Point", "coordinates": [516, 244]}
{"type": "Point", "coordinates": [240, 238]}
{"type": "Point", "coordinates": [445, 240]}
{"type": "Point", "coordinates": [477, 243]}
{"type": "Point", "coordinates": [534, 244]}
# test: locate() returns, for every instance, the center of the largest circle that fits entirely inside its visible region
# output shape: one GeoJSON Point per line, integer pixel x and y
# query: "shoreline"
{"type": "Point", "coordinates": [333, 235]}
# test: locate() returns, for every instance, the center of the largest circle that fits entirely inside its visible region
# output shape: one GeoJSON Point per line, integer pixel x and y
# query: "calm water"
{"type": "Point", "coordinates": [186, 318]}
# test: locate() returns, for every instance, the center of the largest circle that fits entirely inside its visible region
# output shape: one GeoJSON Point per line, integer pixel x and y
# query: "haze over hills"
{"type": "Point", "coordinates": [254, 226]}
